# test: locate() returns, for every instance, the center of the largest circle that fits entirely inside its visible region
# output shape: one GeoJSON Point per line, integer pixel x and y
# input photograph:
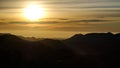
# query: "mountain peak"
{"type": "Point", "coordinates": [77, 36]}
{"type": "Point", "coordinates": [8, 36]}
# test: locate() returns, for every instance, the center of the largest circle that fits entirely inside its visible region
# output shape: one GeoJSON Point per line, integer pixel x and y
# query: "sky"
{"type": "Point", "coordinates": [63, 18]}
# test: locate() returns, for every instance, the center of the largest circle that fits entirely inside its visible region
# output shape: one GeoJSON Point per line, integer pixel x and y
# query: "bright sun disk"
{"type": "Point", "coordinates": [34, 12]}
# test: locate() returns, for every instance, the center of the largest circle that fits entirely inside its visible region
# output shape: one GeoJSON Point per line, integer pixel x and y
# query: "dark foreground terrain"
{"type": "Point", "coordinates": [93, 50]}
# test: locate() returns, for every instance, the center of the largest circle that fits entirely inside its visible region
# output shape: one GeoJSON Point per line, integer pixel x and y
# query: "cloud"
{"type": "Point", "coordinates": [2, 19]}
{"type": "Point", "coordinates": [108, 15]}
{"type": "Point", "coordinates": [63, 19]}
{"type": "Point", "coordinates": [10, 7]}
{"type": "Point", "coordinates": [59, 21]}
{"type": "Point", "coordinates": [17, 22]}
{"type": "Point", "coordinates": [88, 21]}
{"type": "Point", "coordinates": [23, 22]}
{"type": "Point", "coordinates": [107, 10]}
{"type": "Point", "coordinates": [88, 28]}
{"type": "Point", "coordinates": [3, 23]}
{"type": "Point", "coordinates": [62, 25]}
{"type": "Point", "coordinates": [102, 7]}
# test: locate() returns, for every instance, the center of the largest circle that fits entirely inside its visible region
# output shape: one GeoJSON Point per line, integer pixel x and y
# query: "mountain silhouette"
{"type": "Point", "coordinates": [95, 50]}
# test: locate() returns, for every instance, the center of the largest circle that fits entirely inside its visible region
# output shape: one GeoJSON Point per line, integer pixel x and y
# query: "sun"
{"type": "Point", "coordinates": [34, 12]}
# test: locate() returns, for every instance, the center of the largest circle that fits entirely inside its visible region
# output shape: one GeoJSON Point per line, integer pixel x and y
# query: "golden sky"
{"type": "Point", "coordinates": [62, 18]}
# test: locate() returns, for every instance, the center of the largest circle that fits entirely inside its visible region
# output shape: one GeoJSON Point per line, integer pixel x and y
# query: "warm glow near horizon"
{"type": "Point", "coordinates": [34, 12]}
{"type": "Point", "coordinates": [59, 18]}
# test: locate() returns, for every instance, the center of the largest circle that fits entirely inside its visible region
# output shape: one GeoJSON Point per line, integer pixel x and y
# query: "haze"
{"type": "Point", "coordinates": [63, 17]}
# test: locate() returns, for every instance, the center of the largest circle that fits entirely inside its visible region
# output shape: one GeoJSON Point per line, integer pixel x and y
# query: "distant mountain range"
{"type": "Point", "coordinates": [94, 50]}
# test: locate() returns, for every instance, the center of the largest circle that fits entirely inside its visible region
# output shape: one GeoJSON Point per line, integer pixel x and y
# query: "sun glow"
{"type": "Point", "coordinates": [34, 12]}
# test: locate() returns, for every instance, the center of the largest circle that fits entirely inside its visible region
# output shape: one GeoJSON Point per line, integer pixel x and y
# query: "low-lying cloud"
{"type": "Point", "coordinates": [61, 21]}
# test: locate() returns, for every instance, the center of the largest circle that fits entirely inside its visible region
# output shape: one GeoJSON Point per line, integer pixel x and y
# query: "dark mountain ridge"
{"type": "Point", "coordinates": [95, 50]}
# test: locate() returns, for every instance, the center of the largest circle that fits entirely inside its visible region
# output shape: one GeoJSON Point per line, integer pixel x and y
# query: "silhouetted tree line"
{"type": "Point", "coordinates": [93, 50]}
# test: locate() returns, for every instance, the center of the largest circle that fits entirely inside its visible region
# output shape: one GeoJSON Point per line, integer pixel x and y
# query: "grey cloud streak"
{"type": "Point", "coordinates": [61, 21]}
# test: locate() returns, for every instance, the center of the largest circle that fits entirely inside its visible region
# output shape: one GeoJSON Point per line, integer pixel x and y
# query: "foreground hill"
{"type": "Point", "coordinates": [94, 50]}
